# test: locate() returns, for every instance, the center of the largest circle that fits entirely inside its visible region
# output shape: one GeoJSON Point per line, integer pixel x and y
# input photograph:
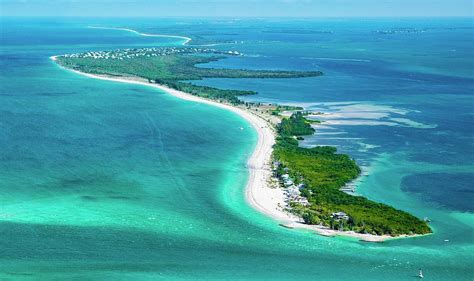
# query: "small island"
{"type": "Point", "coordinates": [311, 178]}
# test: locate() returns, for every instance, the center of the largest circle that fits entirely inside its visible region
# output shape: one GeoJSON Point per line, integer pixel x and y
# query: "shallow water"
{"type": "Point", "coordinates": [101, 180]}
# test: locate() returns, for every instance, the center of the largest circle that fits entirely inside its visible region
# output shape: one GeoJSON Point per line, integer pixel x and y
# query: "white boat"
{"type": "Point", "coordinates": [420, 274]}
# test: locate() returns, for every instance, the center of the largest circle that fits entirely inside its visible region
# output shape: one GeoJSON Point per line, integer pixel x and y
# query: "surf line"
{"type": "Point", "coordinates": [186, 39]}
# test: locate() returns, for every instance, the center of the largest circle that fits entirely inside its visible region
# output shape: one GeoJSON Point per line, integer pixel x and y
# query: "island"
{"type": "Point", "coordinates": [299, 186]}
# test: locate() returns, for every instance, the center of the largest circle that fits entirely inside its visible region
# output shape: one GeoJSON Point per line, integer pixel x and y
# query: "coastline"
{"type": "Point", "coordinates": [258, 193]}
{"type": "Point", "coordinates": [187, 39]}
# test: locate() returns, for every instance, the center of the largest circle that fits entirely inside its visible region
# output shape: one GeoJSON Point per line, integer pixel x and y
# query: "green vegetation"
{"type": "Point", "coordinates": [172, 69]}
{"type": "Point", "coordinates": [296, 125]}
{"type": "Point", "coordinates": [324, 172]}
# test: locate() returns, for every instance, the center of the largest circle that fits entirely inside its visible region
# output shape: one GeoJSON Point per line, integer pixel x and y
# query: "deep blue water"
{"type": "Point", "coordinates": [450, 190]}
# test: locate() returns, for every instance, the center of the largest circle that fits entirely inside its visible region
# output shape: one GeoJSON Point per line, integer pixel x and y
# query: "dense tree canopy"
{"type": "Point", "coordinates": [324, 172]}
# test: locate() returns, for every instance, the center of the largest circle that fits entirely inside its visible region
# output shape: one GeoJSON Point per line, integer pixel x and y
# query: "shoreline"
{"type": "Point", "coordinates": [187, 39]}
{"type": "Point", "coordinates": [258, 193]}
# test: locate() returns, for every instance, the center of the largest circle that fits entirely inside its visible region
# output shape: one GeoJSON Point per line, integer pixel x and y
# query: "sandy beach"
{"type": "Point", "coordinates": [259, 194]}
{"type": "Point", "coordinates": [186, 39]}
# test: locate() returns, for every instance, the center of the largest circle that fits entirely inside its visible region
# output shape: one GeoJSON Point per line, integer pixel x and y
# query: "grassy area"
{"type": "Point", "coordinates": [324, 172]}
{"type": "Point", "coordinates": [174, 68]}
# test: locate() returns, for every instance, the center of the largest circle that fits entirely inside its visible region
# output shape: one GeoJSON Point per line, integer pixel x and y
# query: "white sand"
{"type": "Point", "coordinates": [186, 39]}
{"type": "Point", "coordinates": [259, 194]}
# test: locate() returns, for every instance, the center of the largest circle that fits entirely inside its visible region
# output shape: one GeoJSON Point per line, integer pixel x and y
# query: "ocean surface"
{"type": "Point", "coordinates": [108, 181]}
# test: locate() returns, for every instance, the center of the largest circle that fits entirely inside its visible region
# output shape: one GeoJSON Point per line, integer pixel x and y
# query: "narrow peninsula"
{"type": "Point", "coordinates": [300, 187]}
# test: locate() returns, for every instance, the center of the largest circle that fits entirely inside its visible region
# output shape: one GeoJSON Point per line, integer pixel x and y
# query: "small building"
{"type": "Point", "coordinates": [340, 216]}
{"type": "Point", "coordinates": [302, 200]}
{"type": "Point", "coordinates": [293, 192]}
{"type": "Point", "coordinates": [288, 182]}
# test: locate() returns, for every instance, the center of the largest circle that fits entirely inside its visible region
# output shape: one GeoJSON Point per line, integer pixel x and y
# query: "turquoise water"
{"type": "Point", "coordinates": [103, 181]}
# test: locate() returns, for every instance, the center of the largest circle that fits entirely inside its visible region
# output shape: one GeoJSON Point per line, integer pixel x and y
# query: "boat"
{"type": "Point", "coordinates": [420, 274]}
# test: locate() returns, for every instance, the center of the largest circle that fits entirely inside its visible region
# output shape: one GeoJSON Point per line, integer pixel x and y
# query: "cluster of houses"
{"type": "Point", "coordinates": [292, 191]}
{"type": "Point", "coordinates": [148, 52]}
